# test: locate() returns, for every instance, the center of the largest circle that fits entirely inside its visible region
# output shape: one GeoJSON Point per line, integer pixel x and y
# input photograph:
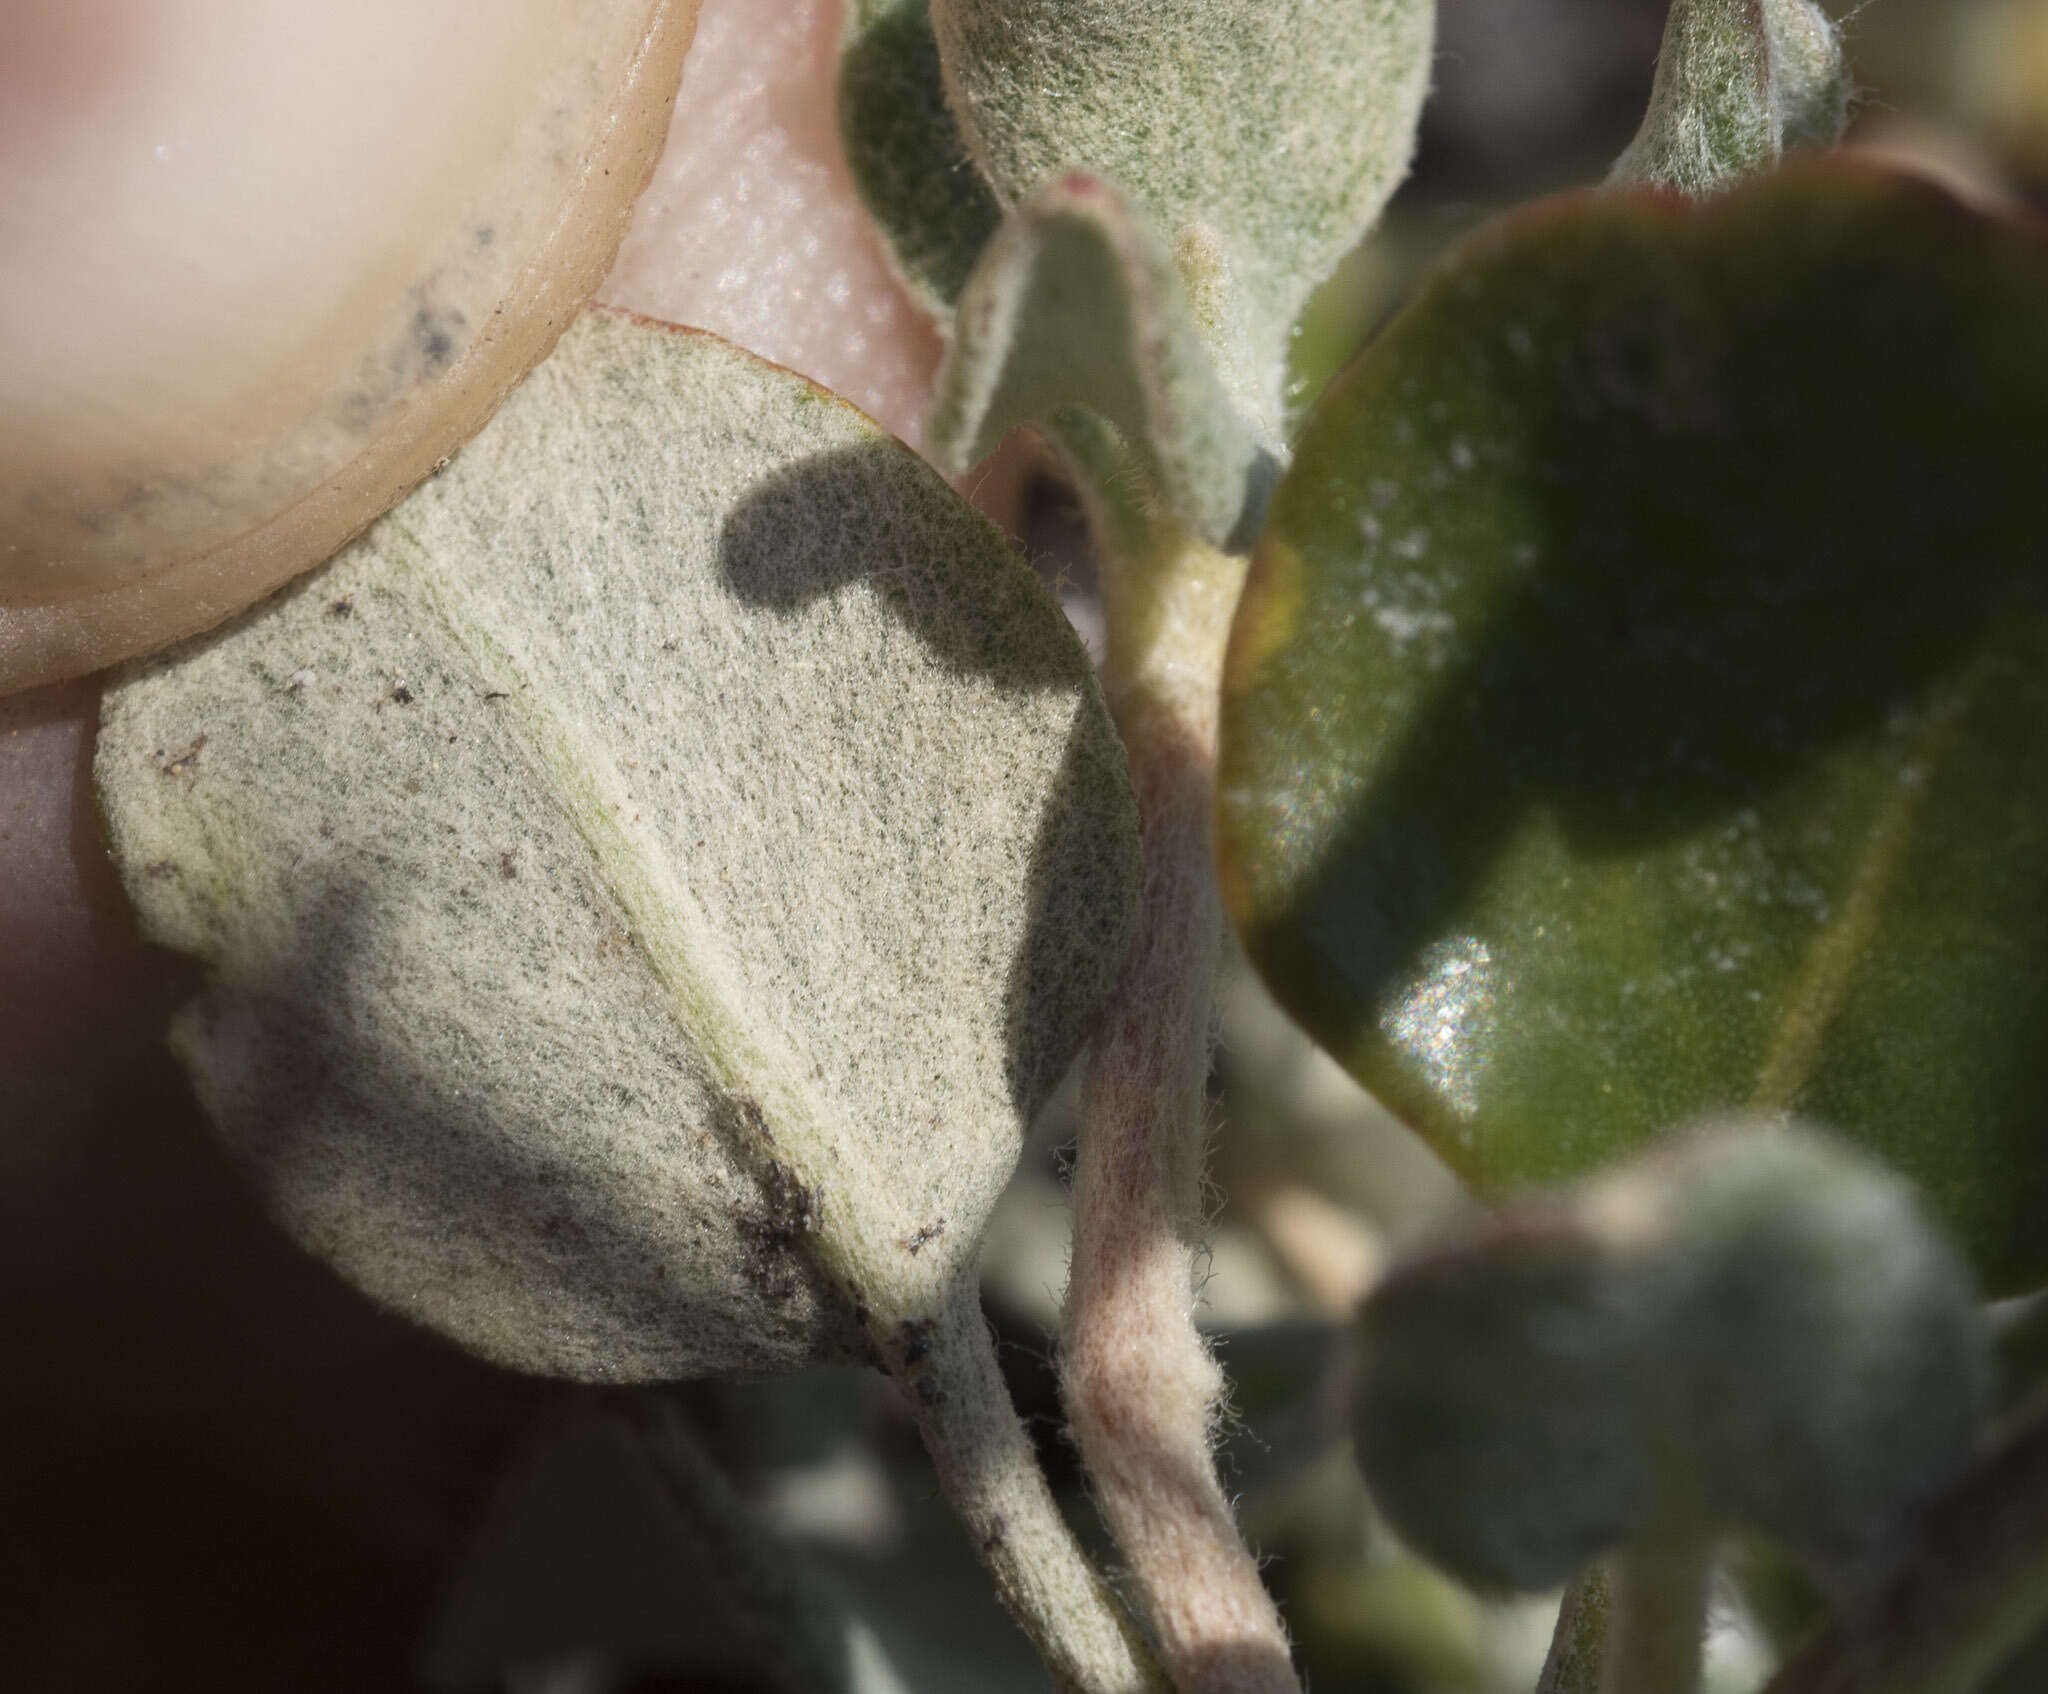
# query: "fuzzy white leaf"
{"type": "Point", "coordinates": [1739, 83]}
{"type": "Point", "coordinates": [1076, 303]}
{"type": "Point", "coordinates": [1262, 135]}
{"type": "Point", "coordinates": [699, 848]}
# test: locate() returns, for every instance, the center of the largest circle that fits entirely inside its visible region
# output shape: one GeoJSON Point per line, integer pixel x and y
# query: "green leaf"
{"type": "Point", "coordinates": [1810, 78]}
{"type": "Point", "coordinates": [906, 153]}
{"type": "Point", "coordinates": [647, 882]}
{"type": "Point", "coordinates": [1762, 1324]}
{"type": "Point", "coordinates": [1634, 707]}
{"type": "Point", "coordinates": [1739, 82]}
{"type": "Point", "coordinates": [1259, 137]}
{"type": "Point", "coordinates": [1825, 1343]}
{"type": "Point", "coordinates": [1494, 1416]}
{"type": "Point", "coordinates": [1076, 304]}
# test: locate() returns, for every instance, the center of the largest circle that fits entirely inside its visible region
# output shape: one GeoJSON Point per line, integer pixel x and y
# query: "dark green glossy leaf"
{"type": "Point", "coordinates": [1636, 705]}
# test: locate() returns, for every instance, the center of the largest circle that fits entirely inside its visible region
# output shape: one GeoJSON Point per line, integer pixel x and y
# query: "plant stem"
{"type": "Point", "coordinates": [1578, 1649]}
{"type": "Point", "coordinates": [992, 1479]}
{"type": "Point", "coordinates": [1657, 1622]}
{"type": "Point", "coordinates": [1970, 1589]}
{"type": "Point", "coordinates": [1140, 1386]}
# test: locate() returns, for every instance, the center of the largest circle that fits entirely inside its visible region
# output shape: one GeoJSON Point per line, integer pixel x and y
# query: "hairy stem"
{"type": "Point", "coordinates": [1658, 1618]}
{"type": "Point", "coordinates": [1140, 1386]}
{"type": "Point", "coordinates": [1971, 1587]}
{"type": "Point", "coordinates": [993, 1481]}
{"type": "Point", "coordinates": [1578, 1649]}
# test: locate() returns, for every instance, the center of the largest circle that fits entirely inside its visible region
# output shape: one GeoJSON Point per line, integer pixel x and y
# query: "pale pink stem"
{"type": "Point", "coordinates": [1141, 1389]}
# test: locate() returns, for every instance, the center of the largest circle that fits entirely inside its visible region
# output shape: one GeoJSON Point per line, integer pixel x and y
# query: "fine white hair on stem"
{"type": "Point", "coordinates": [1142, 1391]}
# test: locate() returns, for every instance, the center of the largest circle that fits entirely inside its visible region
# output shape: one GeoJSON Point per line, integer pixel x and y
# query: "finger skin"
{"type": "Point", "coordinates": [275, 1477]}
{"type": "Point", "coordinates": [749, 228]}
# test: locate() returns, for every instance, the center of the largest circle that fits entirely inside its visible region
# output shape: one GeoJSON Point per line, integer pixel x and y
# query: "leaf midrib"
{"type": "Point", "coordinates": [1829, 973]}
{"type": "Point", "coordinates": [672, 935]}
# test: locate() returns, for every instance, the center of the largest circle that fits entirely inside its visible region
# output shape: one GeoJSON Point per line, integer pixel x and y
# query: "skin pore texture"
{"type": "Point", "coordinates": [749, 228]}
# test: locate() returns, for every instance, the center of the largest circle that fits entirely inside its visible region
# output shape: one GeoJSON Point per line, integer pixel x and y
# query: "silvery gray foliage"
{"type": "Point", "coordinates": [1260, 138]}
{"type": "Point", "coordinates": [1810, 82]}
{"type": "Point", "coordinates": [1076, 303]}
{"type": "Point", "coordinates": [1755, 1321]}
{"type": "Point", "coordinates": [1231, 155]}
{"type": "Point", "coordinates": [1739, 83]}
{"type": "Point", "coordinates": [647, 882]}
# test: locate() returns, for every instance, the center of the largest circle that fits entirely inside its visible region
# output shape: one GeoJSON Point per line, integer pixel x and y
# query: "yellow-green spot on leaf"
{"type": "Point", "coordinates": [1270, 623]}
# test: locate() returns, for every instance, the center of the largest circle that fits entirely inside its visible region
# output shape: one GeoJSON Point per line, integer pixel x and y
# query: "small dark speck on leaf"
{"type": "Point", "coordinates": [159, 870]}
{"type": "Point", "coordinates": [792, 1211]}
{"type": "Point", "coordinates": [486, 235]}
{"type": "Point", "coordinates": [796, 1209]}
{"type": "Point", "coordinates": [754, 1118]}
{"type": "Point", "coordinates": [916, 1241]}
{"type": "Point", "coordinates": [506, 868]}
{"type": "Point", "coordinates": [914, 1336]}
{"type": "Point", "coordinates": [342, 608]}
{"type": "Point", "coordinates": [401, 695]}
{"type": "Point", "coordinates": [183, 762]}
{"type": "Point", "coordinates": [914, 1347]}
{"type": "Point", "coordinates": [497, 694]}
